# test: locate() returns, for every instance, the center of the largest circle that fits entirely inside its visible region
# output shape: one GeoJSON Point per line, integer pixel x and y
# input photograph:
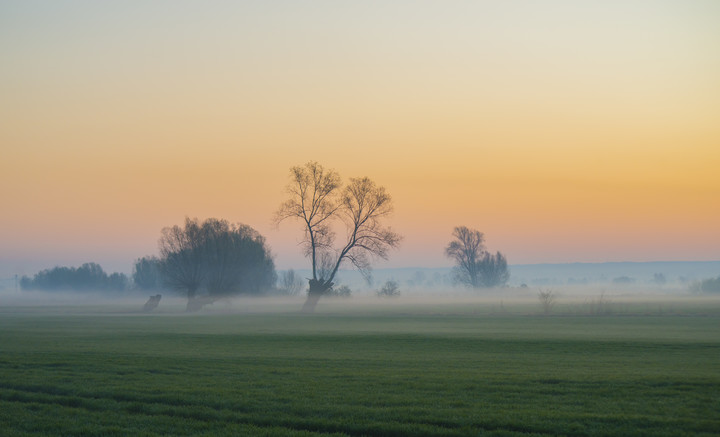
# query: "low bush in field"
{"type": "Point", "coordinates": [389, 289]}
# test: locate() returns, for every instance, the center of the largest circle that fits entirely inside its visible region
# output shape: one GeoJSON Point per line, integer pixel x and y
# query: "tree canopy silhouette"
{"type": "Point", "coordinates": [88, 277]}
{"type": "Point", "coordinates": [215, 258]}
{"type": "Point", "coordinates": [146, 274]}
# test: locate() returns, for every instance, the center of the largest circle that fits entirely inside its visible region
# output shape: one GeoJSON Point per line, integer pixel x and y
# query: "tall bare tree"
{"type": "Point", "coordinates": [474, 265]}
{"type": "Point", "coordinates": [319, 200]}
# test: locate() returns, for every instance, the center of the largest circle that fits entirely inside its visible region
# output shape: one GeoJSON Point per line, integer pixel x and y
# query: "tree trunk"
{"type": "Point", "coordinates": [317, 289]}
{"type": "Point", "coordinates": [196, 303]}
{"type": "Point", "coordinates": [191, 299]}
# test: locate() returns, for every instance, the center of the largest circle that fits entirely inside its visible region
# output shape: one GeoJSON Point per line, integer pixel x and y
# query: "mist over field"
{"type": "Point", "coordinates": [627, 288]}
{"type": "Point", "coordinates": [576, 351]}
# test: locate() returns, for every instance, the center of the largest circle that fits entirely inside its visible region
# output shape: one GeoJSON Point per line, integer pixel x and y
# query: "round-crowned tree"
{"type": "Point", "coordinates": [215, 259]}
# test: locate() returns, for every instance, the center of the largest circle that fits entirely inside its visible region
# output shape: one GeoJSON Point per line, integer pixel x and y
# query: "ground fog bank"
{"type": "Point", "coordinates": [520, 301]}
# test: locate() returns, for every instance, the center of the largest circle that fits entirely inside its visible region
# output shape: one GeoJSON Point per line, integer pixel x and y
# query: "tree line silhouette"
{"type": "Point", "coordinates": [213, 259]}
{"type": "Point", "coordinates": [87, 277]}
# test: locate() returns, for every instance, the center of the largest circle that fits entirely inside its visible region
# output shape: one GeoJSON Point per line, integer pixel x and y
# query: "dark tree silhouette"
{"type": "Point", "coordinates": [238, 260]}
{"type": "Point", "coordinates": [389, 289]}
{"type": "Point", "coordinates": [216, 258]}
{"type": "Point", "coordinates": [474, 266]}
{"type": "Point", "coordinates": [711, 285]}
{"type": "Point", "coordinates": [88, 277]}
{"type": "Point", "coordinates": [493, 270]}
{"type": "Point", "coordinates": [182, 263]}
{"type": "Point", "coordinates": [319, 200]}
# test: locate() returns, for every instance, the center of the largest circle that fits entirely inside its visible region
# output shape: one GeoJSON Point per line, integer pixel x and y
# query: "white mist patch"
{"type": "Point", "coordinates": [568, 300]}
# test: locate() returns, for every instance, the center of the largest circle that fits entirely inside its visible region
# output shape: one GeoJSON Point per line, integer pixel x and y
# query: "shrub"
{"type": "Point", "coordinates": [389, 289]}
{"type": "Point", "coordinates": [547, 300]}
{"type": "Point", "coordinates": [623, 280]}
{"type": "Point", "coordinates": [601, 306]}
{"type": "Point", "coordinates": [340, 291]}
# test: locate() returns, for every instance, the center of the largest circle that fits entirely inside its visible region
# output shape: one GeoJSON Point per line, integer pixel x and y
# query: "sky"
{"type": "Point", "coordinates": [565, 131]}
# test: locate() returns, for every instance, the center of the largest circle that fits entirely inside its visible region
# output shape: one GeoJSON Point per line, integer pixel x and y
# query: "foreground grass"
{"type": "Point", "coordinates": [357, 374]}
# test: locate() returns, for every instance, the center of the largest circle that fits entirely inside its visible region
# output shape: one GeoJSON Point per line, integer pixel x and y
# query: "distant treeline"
{"type": "Point", "coordinates": [88, 277]}
{"type": "Point", "coordinates": [206, 260]}
{"type": "Point", "coordinates": [148, 275]}
{"type": "Point", "coordinates": [711, 285]}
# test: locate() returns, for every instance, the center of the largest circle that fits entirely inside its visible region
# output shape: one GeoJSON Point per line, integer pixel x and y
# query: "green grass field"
{"type": "Point", "coordinates": [403, 371]}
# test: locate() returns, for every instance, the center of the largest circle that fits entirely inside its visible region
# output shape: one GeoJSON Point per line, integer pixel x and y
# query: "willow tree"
{"type": "Point", "coordinates": [214, 259]}
{"type": "Point", "coordinates": [323, 204]}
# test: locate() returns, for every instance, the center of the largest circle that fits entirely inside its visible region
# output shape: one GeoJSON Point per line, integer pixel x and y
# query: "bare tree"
{"type": "Point", "coordinates": [474, 265]}
{"type": "Point", "coordinates": [466, 249]}
{"type": "Point", "coordinates": [319, 200]}
{"type": "Point", "coordinates": [547, 300]}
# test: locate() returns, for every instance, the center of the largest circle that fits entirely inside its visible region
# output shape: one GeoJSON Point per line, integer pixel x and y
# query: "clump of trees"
{"type": "Point", "coordinates": [620, 280]}
{"type": "Point", "coordinates": [321, 202]}
{"type": "Point", "coordinates": [214, 259]}
{"type": "Point", "coordinates": [87, 277]}
{"type": "Point", "coordinates": [711, 285]}
{"type": "Point", "coordinates": [659, 279]}
{"type": "Point", "coordinates": [474, 266]}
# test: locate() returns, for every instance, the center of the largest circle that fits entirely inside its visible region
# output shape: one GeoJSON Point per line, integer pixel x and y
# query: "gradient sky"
{"type": "Point", "coordinates": [566, 131]}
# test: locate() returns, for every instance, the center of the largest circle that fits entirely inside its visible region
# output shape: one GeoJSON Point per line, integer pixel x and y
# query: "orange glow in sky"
{"type": "Point", "coordinates": [565, 131]}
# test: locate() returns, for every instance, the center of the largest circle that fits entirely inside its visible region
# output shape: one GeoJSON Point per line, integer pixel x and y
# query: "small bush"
{"type": "Point", "coordinates": [547, 300]}
{"type": "Point", "coordinates": [659, 279]}
{"type": "Point", "coordinates": [623, 280]}
{"type": "Point", "coordinates": [600, 306]}
{"type": "Point", "coordinates": [390, 289]}
{"type": "Point", "coordinates": [340, 291]}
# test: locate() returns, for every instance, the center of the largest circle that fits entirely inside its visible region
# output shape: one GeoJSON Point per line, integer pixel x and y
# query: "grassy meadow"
{"type": "Point", "coordinates": [356, 368]}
